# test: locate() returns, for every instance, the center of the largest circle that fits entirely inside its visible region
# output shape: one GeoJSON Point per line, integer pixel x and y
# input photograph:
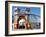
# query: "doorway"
{"type": "Point", "coordinates": [21, 22]}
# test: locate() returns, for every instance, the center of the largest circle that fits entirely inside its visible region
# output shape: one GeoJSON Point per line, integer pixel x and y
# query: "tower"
{"type": "Point", "coordinates": [15, 18]}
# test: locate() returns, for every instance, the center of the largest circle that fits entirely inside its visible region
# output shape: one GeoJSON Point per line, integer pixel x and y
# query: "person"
{"type": "Point", "coordinates": [21, 23]}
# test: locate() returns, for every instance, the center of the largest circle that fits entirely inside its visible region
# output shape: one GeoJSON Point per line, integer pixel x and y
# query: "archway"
{"type": "Point", "coordinates": [21, 22]}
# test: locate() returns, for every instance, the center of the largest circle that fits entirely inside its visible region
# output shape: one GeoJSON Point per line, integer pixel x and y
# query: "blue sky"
{"type": "Point", "coordinates": [33, 10]}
